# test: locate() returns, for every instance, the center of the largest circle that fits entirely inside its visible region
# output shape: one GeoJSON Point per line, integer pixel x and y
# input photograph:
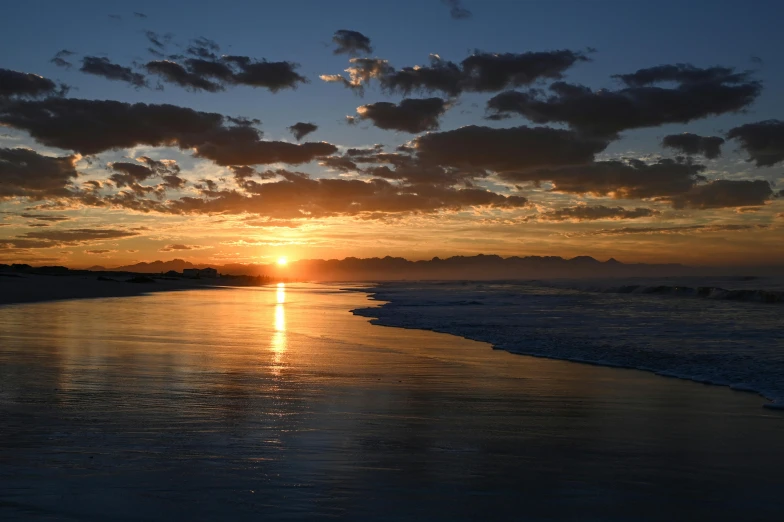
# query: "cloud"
{"type": "Point", "coordinates": [60, 60]}
{"type": "Point", "coordinates": [301, 129]}
{"type": "Point", "coordinates": [75, 236]}
{"type": "Point", "coordinates": [175, 247]}
{"type": "Point", "coordinates": [209, 73]}
{"type": "Point", "coordinates": [128, 174]}
{"type": "Point", "coordinates": [725, 193]}
{"type": "Point", "coordinates": [155, 39]}
{"type": "Point", "coordinates": [175, 73]}
{"type": "Point", "coordinates": [675, 230]}
{"type": "Point", "coordinates": [297, 196]}
{"type": "Point", "coordinates": [506, 150]}
{"type": "Point", "coordinates": [139, 15]}
{"type": "Point", "coordinates": [270, 75]}
{"type": "Point", "coordinates": [440, 76]}
{"type": "Point", "coordinates": [99, 251]}
{"type": "Point", "coordinates": [687, 143]}
{"type": "Point", "coordinates": [607, 112]}
{"type": "Point", "coordinates": [25, 173]}
{"type": "Point", "coordinates": [254, 152]}
{"type": "Point", "coordinates": [112, 71]}
{"type": "Point", "coordinates": [456, 9]}
{"type": "Point", "coordinates": [93, 126]}
{"type": "Point", "coordinates": [203, 48]}
{"type": "Point", "coordinates": [620, 179]}
{"type": "Point", "coordinates": [15, 84]}
{"type": "Point", "coordinates": [410, 115]}
{"type": "Point", "coordinates": [44, 217]}
{"type": "Point", "coordinates": [351, 42]}
{"type": "Point", "coordinates": [480, 72]}
{"type": "Point", "coordinates": [763, 141]}
{"type": "Point", "coordinates": [594, 213]}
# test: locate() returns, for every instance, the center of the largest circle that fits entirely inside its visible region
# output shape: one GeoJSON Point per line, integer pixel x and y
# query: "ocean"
{"type": "Point", "coordinates": [278, 403]}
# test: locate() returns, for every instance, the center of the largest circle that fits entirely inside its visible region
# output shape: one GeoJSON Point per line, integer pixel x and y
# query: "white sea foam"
{"type": "Point", "coordinates": [733, 343]}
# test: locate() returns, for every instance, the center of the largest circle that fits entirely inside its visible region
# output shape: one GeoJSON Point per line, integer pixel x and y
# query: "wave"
{"type": "Point", "coordinates": [723, 343]}
{"type": "Point", "coordinates": [706, 292]}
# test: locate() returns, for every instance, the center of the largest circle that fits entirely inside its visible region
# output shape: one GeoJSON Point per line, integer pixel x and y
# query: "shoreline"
{"type": "Point", "coordinates": [373, 293]}
{"type": "Point", "coordinates": [39, 288]}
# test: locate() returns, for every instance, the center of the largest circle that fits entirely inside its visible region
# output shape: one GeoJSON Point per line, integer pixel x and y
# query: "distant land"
{"type": "Point", "coordinates": [479, 267]}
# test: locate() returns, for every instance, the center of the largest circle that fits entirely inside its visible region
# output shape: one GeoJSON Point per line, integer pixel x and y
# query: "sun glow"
{"type": "Point", "coordinates": [282, 261]}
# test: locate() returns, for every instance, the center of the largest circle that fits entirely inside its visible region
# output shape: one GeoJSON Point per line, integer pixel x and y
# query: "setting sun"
{"type": "Point", "coordinates": [282, 261]}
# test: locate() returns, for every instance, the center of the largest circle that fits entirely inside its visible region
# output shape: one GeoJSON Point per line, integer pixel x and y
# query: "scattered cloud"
{"type": "Point", "coordinates": [763, 141]}
{"type": "Point", "coordinates": [698, 93]}
{"type": "Point", "coordinates": [18, 85]}
{"type": "Point", "coordinates": [302, 129]}
{"type": "Point", "coordinates": [112, 71]}
{"type": "Point", "coordinates": [692, 144]}
{"type": "Point", "coordinates": [410, 115]}
{"type": "Point", "coordinates": [351, 42]}
{"type": "Point", "coordinates": [456, 9]}
{"type": "Point", "coordinates": [25, 173]}
{"type": "Point", "coordinates": [595, 213]}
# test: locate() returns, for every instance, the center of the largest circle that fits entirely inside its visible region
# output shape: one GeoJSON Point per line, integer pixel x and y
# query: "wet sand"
{"type": "Point", "coordinates": [278, 404]}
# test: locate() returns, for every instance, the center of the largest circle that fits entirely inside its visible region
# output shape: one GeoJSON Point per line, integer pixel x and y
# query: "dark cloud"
{"type": "Point", "coordinates": [725, 193]}
{"type": "Point", "coordinates": [607, 112]}
{"type": "Point", "coordinates": [410, 115]}
{"type": "Point", "coordinates": [629, 179]}
{"type": "Point", "coordinates": [340, 164]}
{"type": "Point", "coordinates": [351, 42]}
{"type": "Point", "coordinates": [99, 251]}
{"type": "Point", "coordinates": [203, 48]}
{"type": "Point", "coordinates": [270, 75]}
{"type": "Point", "coordinates": [440, 76]}
{"type": "Point", "coordinates": [112, 71]}
{"type": "Point", "coordinates": [302, 129]}
{"type": "Point", "coordinates": [255, 152]}
{"type": "Point", "coordinates": [60, 59]}
{"type": "Point", "coordinates": [44, 217]}
{"type": "Point", "coordinates": [175, 73]}
{"type": "Point", "coordinates": [173, 181]}
{"type": "Point", "coordinates": [683, 74]}
{"type": "Point", "coordinates": [489, 72]}
{"type": "Point", "coordinates": [480, 72]}
{"type": "Point", "coordinates": [506, 150]}
{"type": "Point", "coordinates": [79, 235]}
{"type": "Point", "coordinates": [675, 230]}
{"type": "Point", "coordinates": [687, 143]}
{"type": "Point", "coordinates": [209, 73]}
{"type": "Point", "coordinates": [763, 141]}
{"type": "Point", "coordinates": [129, 174]}
{"type": "Point", "coordinates": [25, 173]}
{"type": "Point", "coordinates": [594, 213]}
{"type": "Point", "coordinates": [15, 84]}
{"type": "Point", "coordinates": [139, 15]}
{"type": "Point", "coordinates": [92, 126]}
{"type": "Point", "coordinates": [456, 9]}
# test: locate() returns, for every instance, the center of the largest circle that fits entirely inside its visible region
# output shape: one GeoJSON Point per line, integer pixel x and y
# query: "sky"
{"type": "Point", "coordinates": [234, 133]}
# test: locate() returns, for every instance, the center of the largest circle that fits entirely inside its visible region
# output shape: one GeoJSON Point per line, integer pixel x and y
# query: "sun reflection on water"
{"type": "Point", "coordinates": [279, 341]}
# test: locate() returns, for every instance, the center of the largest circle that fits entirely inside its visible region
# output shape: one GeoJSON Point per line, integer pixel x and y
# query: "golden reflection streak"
{"type": "Point", "coordinates": [279, 341]}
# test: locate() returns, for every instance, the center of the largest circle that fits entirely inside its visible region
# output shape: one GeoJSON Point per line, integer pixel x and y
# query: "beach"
{"type": "Point", "coordinates": [277, 402]}
{"type": "Point", "coordinates": [31, 288]}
